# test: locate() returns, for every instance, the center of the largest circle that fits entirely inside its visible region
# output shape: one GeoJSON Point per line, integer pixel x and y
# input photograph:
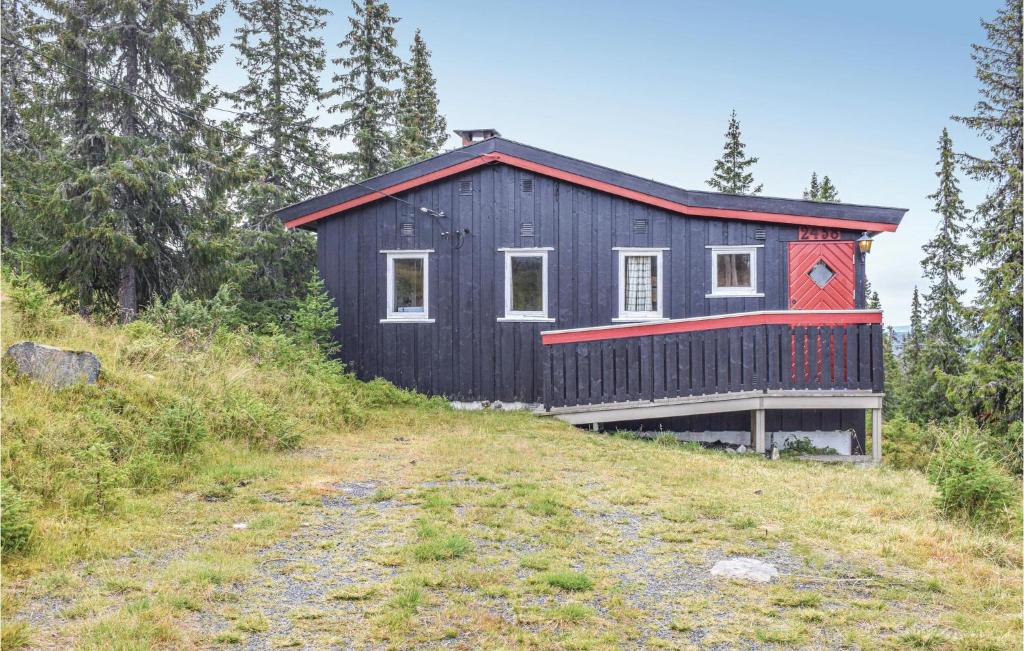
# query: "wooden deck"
{"type": "Point", "coordinates": [736, 362]}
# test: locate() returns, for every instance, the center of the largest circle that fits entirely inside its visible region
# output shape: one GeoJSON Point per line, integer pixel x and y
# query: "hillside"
{"type": "Point", "coordinates": [237, 491]}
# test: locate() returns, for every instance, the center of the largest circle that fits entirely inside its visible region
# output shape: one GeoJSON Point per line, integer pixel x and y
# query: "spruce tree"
{"type": "Point", "coordinates": [915, 337]}
{"type": "Point", "coordinates": [283, 58]}
{"type": "Point", "coordinates": [814, 189]}
{"type": "Point", "coordinates": [914, 400]}
{"type": "Point", "coordinates": [130, 222]}
{"type": "Point", "coordinates": [730, 174]}
{"type": "Point", "coordinates": [823, 191]}
{"type": "Point", "coordinates": [993, 385]}
{"type": "Point", "coordinates": [368, 102]}
{"type": "Point", "coordinates": [828, 191]}
{"type": "Point", "coordinates": [282, 54]}
{"type": "Point", "coordinates": [422, 130]}
{"type": "Point", "coordinates": [943, 265]}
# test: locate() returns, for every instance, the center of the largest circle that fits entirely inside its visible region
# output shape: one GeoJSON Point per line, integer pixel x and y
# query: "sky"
{"type": "Point", "coordinates": [859, 91]}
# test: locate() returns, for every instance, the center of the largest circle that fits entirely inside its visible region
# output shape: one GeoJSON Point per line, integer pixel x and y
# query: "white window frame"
{"type": "Point", "coordinates": [733, 292]}
{"type": "Point", "coordinates": [534, 252]}
{"type": "Point", "coordinates": [407, 317]}
{"type": "Point", "coordinates": [654, 252]}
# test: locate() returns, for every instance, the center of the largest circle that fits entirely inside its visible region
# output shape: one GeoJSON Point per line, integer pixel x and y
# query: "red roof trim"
{"type": "Point", "coordinates": [717, 322]}
{"type": "Point", "coordinates": [483, 159]}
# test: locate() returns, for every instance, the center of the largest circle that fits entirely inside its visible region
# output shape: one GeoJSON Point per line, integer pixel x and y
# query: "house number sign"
{"type": "Point", "coordinates": [816, 233]}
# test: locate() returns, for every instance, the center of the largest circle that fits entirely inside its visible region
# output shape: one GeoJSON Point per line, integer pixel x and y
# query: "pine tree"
{"type": "Point", "coordinates": [731, 175]}
{"type": "Point", "coordinates": [823, 191]}
{"type": "Point", "coordinates": [279, 48]}
{"type": "Point", "coordinates": [368, 103]}
{"type": "Point", "coordinates": [993, 385]}
{"type": "Point", "coordinates": [421, 129]}
{"type": "Point", "coordinates": [943, 265]}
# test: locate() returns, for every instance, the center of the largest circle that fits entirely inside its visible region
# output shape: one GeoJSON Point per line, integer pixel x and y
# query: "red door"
{"type": "Point", "coordinates": [821, 276]}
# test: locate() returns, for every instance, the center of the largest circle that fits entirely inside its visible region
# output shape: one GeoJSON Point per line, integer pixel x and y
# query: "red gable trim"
{"type": "Point", "coordinates": [546, 170]}
{"type": "Point", "coordinates": [717, 322]}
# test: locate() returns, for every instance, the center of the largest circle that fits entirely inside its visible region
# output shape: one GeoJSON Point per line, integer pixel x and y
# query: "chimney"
{"type": "Point", "coordinates": [469, 136]}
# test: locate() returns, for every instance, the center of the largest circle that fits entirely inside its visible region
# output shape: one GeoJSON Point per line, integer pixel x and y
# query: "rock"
{"type": "Point", "coordinates": [239, 525]}
{"type": "Point", "coordinates": [53, 366]}
{"type": "Point", "coordinates": [775, 453]}
{"type": "Point", "coordinates": [749, 569]}
{"type": "Point", "coordinates": [497, 406]}
{"type": "Point", "coordinates": [742, 449]}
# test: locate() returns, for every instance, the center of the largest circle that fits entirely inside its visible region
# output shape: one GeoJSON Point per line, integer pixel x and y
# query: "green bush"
{"type": "Point", "coordinates": [972, 484]}
{"type": "Point", "coordinates": [244, 416]}
{"type": "Point", "coordinates": [907, 444]}
{"type": "Point", "coordinates": [15, 523]}
{"type": "Point", "coordinates": [195, 321]}
{"type": "Point", "coordinates": [179, 428]}
{"type": "Point", "coordinates": [37, 311]}
{"type": "Point", "coordinates": [316, 317]}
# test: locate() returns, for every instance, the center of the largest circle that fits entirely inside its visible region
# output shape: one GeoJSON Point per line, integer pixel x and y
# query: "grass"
{"type": "Point", "coordinates": [491, 530]}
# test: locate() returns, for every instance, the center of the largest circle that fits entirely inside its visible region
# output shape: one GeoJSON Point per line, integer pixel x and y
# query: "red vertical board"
{"type": "Point", "coordinates": [838, 292]}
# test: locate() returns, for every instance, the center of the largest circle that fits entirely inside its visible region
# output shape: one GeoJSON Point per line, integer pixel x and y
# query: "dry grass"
{"type": "Point", "coordinates": [500, 531]}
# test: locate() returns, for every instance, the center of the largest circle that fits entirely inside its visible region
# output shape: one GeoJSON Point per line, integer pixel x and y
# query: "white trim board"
{"type": "Point", "coordinates": [626, 252]}
{"type": "Point", "coordinates": [393, 316]}
{"type": "Point", "coordinates": [533, 315]}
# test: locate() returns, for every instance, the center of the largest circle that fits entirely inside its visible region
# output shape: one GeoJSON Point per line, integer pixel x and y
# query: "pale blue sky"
{"type": "Point", "coordinates": [859, 91]}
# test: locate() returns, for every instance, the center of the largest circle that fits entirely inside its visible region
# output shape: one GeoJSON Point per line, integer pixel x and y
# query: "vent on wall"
{"type": "Point", "coordinates": [408, 229]}
{"type": "Point", "coordinates": [640, 226]}
{"type": "Point", "coordinates": [526, 185]}
{"type": "Point", "coordinates": [760, 233]}
{"type": "Point", "coordinates": [526, 229]}
{"type": "Point", "coordinates": [465, 187]}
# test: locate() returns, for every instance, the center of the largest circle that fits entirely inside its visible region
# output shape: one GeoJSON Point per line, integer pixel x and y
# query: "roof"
{"type": "Point", "coordinates": [503, 151]}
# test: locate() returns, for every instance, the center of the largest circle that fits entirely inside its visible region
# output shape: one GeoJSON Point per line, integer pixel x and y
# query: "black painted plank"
{"type": "Point", "coordinates": [558, 374]}
{"type": "Point", "coordinates": [877, 365]}
{"type": "Point", "coordinates": [787, 357]}
{"type": "Point", "coordinates": [838, 353]}
{"type": "Point", "coordinates": [735, 359]}
{"type": "Point", "coordinates": [813, 349]}
{"type": "Point", "coordinates": [864, 355]}
{"type": "Point", "coordinates": [596, 389]}
{"type": "Point", "coordinates": [852, 365]}
{"type": "Point", "coordinates": [710, 381]}
{"type": "Point", "coordinates": [825, 335]}
{"type": "Point", "coordinates": [648, 367]}
{"type": "Point", "coordinates": [672, 366]}
{"type": "Point", "coordinates": [722, 361]}
{"type": "Point", "coordinates": [546, 376]}
{"type": "Point", "coordinates": [800, 357]}
{"type": "Point", "coordinates": [583, 373]}
{"type": "Point", "coordinates": [621, 371]}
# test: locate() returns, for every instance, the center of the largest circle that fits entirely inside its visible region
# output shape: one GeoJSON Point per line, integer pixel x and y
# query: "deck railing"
{"type": "Point", "coordinates": [784, 350]}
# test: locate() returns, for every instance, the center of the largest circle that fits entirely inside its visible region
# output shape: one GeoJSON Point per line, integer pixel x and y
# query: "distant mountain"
{"type": "Point", "coordinates": [900, 333]}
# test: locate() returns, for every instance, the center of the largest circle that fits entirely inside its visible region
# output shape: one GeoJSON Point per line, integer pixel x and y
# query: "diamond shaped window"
{"type": "Point", "coordinates": [821, 273]}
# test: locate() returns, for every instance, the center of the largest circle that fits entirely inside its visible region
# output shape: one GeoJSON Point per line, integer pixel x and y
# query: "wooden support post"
{"type": "Point", "coordinates": [757, 430]}
{"type": "Point", "coordinates": [594, 427]}
{"type": "Point", "coordinates": [876, 435]}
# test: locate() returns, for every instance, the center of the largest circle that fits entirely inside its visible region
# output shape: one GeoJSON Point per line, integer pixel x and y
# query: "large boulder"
{"type": "Point", "coordinates": [54, 366]}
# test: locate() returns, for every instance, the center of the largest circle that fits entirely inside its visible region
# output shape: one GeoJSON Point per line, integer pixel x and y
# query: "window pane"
{"type": "Point", "coordinates": [527, 283]}
{"type": "Point", "coordinates": [734, 270]}
{"type": "Point", "coordinates": [641, 283]}
{"type": "Point", "coordinates": [408, 285]}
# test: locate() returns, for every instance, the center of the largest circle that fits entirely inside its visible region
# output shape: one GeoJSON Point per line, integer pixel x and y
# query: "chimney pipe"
{"type": "Point", "coordinates": [469, 136]}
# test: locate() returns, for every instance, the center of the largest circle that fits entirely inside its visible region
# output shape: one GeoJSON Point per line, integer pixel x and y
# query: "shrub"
{"type": "Point", "coordinates": [38, 312]}
{"type": "Point", "coordinates": [908, 444]}
{"type": "Point", "coordinates": [179, 428]}
{"type": "Point", "coordinates": [15, 525]}
{"type": "Point", "coordinates": [972, 485]}
{"type": "Point", "coordinates": [195, 321]}
{"type": "Point", "coordinates": [316, 317]}
{"type": "Point", "coordinates": [246, 417]}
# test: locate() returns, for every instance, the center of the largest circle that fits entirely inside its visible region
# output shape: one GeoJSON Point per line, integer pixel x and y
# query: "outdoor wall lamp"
{"type": "Point", "coordinates": [864, 243]}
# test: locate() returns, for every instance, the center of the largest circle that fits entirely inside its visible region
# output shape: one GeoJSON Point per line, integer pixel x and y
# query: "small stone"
{"type": "Point", "coordinates": [775, 453]}
{"type": "Point", "coordinates": [749, 569]}
{"type": "Point", "coordinates": [55, 367]}
{"type": "Point", "coordinates": [239, 525]}
{"type": "Point", "coordinates": [497, 406]}
{"type": "Point", "coordinates": [742, 449]}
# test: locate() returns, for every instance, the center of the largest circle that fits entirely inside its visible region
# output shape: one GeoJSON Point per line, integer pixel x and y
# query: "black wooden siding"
{"type": "Point", "coordinates": [466, 354]}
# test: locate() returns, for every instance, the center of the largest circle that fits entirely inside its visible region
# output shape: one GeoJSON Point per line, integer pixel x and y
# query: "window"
{"type": "Point", "coordinates": [640, 284]}
{"type": "Point", "coordinates": [734, 271]}
{"type": "Point", "coordinates": [408, 289]}
{"type": "Point", "coordinates": [526, 284]}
